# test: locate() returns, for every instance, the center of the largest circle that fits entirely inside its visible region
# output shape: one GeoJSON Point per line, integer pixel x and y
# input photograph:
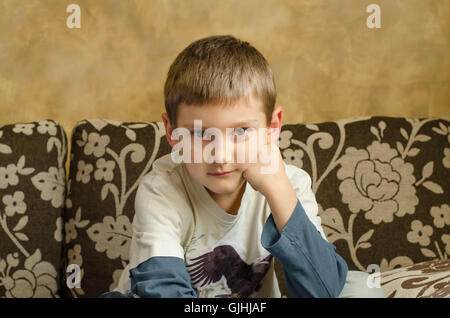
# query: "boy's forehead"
{"type": "Point", "coordinates": [210, 124]}
{"type": "Point", "coordinates": [241, 113]}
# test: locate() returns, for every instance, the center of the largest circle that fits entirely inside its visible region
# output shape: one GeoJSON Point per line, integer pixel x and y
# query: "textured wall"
{"type": "Point", "coordinates": [328, 64]}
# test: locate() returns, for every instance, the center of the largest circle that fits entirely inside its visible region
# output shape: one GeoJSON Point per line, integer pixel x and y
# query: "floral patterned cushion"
{"type": "Point", "coordinates": [108, 161]}
{"type": "Point", "coordinates": [381, 184]}
{"type": "Point", "coordinates": [32, 191]}
{"type": "Point", "coordinates": [423, 280]}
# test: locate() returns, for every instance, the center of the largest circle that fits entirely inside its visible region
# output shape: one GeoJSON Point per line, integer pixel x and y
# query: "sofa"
{"type": "Point", "coordinates": [381, 183]}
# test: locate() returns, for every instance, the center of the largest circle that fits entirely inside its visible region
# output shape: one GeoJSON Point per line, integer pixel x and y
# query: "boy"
{"type": "Point", "coordinates": [212, 229]}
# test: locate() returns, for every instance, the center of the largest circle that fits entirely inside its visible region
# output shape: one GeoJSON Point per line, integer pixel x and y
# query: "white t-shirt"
{"type": "Point", "coordinates": [175, 216]}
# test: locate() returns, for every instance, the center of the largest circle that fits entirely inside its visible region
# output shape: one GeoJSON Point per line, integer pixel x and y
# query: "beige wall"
{"type": "Point", "coordinates": [328, 64]}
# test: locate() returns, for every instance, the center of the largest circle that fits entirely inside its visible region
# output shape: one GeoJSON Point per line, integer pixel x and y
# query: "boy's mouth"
{"type": "Point", "coordinates": [220, 174]}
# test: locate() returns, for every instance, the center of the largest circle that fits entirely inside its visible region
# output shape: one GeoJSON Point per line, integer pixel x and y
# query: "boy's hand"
{"type": "Point", "coordinates": [270, 179]}
{"type": "Point", "coordinates": [268, 173]}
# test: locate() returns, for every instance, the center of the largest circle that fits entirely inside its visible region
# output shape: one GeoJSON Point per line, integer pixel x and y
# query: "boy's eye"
{"type": "Point", "coordinates": [198, 133]}
{"type": "Point", "coordinates": [241, 131]}
{"type": "Point", "coordinates": [202, 134]}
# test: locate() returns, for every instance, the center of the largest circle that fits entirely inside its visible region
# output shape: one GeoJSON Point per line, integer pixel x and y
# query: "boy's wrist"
{"type": "Point", "coordinates": [275, 186]}
{"type": "Point", "coordinates": [282, 201]}
{"type": "Point", "coordinates": [278, 190]}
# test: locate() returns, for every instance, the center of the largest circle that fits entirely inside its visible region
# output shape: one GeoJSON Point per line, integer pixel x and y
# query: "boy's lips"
{"type": "Point", "coordinates": [220, 174]}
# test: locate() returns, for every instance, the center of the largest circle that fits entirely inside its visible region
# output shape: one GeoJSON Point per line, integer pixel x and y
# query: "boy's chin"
{"type": "Point", "coordinates": [222, 189]}
{"type": "Point", "coordinates": [227, 187]}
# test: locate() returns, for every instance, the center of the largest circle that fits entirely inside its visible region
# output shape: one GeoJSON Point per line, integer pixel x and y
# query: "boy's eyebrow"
{"type": "Point", "coordinates": [238, 124]}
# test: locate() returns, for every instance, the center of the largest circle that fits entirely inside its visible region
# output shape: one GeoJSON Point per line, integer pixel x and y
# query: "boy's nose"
{"type": "Point", "coordinates": [222, 153]}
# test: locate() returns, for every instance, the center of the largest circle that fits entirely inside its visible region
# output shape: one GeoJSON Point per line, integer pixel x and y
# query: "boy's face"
{"type": "Point", "coordinates": [223, 176]}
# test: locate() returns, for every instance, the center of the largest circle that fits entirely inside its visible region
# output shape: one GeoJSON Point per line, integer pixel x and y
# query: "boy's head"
{"type": "Point", "coordinates": [218, 70]}
{"type": "Point", "coordinates": [226, 83]}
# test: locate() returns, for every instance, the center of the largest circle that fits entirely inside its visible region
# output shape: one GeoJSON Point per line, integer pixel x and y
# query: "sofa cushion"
{"type": "Point", "coordinates": [422, 280]}
{"type": "Point", "coordinates": [32, 190]}
{"type": "Point", "coordinates": [108, 161]}
{"type": "Point", "coordinates": [381, 184]}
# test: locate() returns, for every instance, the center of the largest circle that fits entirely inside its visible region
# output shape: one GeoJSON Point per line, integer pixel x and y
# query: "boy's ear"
{"type": "Point", "coordinates": [169, 129]}
{"type": "Point", "coordinates": [276, 122]}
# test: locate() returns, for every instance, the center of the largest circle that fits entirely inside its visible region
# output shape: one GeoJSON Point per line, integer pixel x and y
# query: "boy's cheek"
{"type": "Point", "coordinates": [197, 171]}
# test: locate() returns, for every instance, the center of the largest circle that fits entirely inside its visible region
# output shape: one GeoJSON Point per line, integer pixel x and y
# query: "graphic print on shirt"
{"type": "Point", "coordinates": [224, 261]}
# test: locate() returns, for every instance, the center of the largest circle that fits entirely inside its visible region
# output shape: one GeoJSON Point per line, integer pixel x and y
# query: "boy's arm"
{"type": "Point", "coordinates": [311, 266]}
{"type": "Point", "coordinates": [162, 277]}
{"type": "Point", "coordinates": [157, 267]}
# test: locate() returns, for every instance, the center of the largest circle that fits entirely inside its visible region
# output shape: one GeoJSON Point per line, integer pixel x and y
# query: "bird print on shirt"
{"type": "Point", "coordinates": [224, 261]}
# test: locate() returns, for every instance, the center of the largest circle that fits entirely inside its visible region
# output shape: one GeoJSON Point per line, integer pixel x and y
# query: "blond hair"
{"type": "Point", "coordinates": [218, 69]}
